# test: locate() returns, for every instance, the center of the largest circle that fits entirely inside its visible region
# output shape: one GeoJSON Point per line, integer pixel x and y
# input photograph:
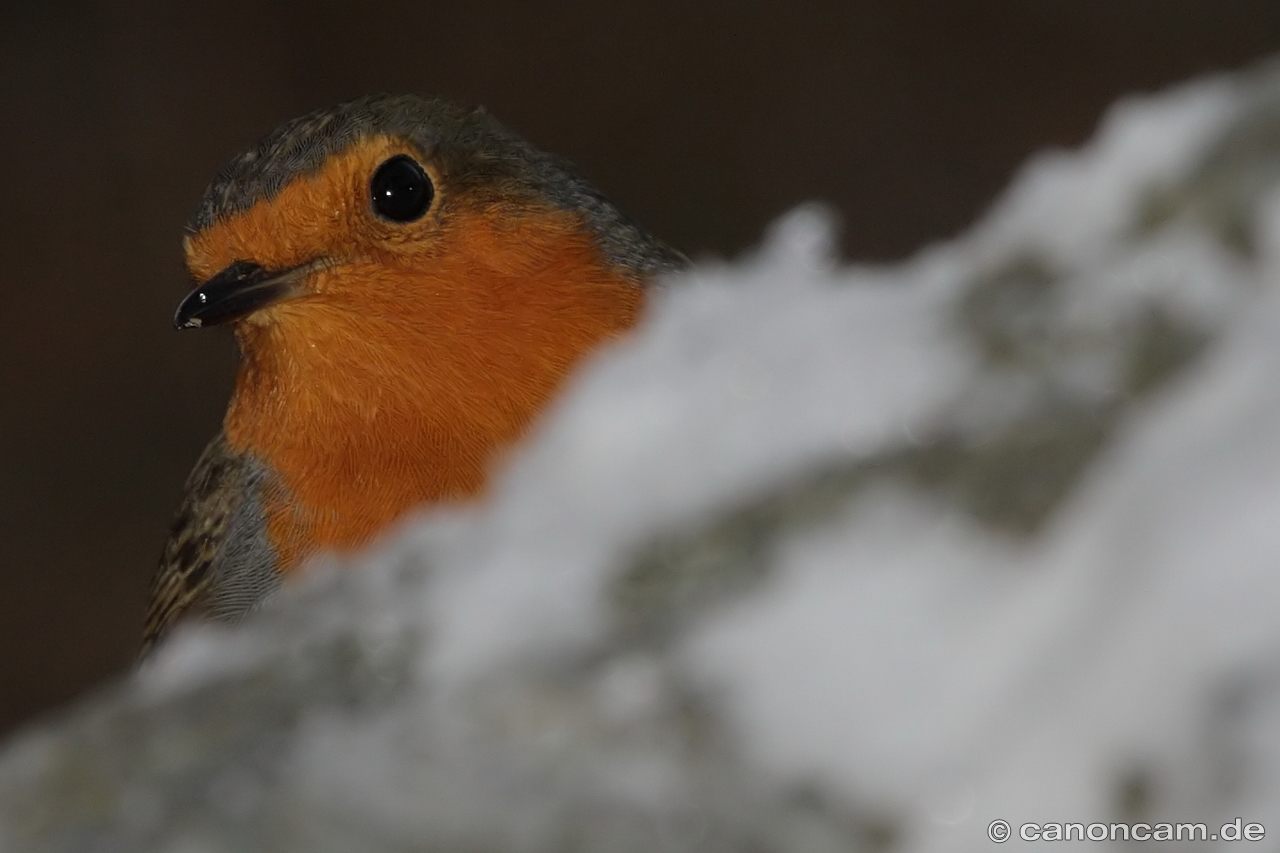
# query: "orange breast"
{"type": "Point", "coordinates": [396, 382]}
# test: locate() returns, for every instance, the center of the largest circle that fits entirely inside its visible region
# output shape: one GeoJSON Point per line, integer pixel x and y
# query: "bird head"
{"type": "Point", "coordinates": [408, 281]}
{"type": "Point", "coordinates": [400, 215]}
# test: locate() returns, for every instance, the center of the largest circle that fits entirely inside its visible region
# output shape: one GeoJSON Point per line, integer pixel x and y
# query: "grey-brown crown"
{"type": "Point", "coordinates": [485, 151]}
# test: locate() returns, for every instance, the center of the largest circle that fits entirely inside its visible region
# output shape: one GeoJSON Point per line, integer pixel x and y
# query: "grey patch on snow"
{"type": "Point", "coordinates": [1224, 190]}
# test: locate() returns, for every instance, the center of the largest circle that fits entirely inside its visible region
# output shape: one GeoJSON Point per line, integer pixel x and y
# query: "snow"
{"type": "Point", "coordinates": [910, 659]}
{"type": "Point", "coordinates": [906, 656]}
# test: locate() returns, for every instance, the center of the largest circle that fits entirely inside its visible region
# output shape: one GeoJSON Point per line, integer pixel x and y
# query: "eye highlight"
{"type": "Point", "coordinates": [400, 189]}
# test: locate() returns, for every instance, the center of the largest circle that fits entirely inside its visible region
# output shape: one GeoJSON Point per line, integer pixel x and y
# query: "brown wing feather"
{"type": "Point", "coordinates": [188, 575]}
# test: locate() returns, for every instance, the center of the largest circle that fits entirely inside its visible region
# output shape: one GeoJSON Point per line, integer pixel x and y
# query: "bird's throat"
{"type": "Point", "coordinates": [366, 403]}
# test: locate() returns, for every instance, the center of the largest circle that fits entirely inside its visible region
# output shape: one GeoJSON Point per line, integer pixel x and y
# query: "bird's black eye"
{"type": "Point", "coordinates": [400, 189]}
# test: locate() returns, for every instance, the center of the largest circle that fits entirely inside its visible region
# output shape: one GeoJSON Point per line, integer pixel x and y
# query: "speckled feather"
{"type": "Point", "coordinates": [218, 561]}
{"type": "Point", "coordinates": [198, 572]}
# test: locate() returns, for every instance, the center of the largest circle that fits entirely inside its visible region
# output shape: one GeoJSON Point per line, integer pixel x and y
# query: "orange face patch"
{"type": "Point", "coordinates": [418, 350]}
{"type": "Point", "coordinates": [326, 214]}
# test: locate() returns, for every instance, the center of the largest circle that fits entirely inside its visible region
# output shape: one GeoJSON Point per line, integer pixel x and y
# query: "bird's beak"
{"type": "Point", "coordinates": [237, 292]}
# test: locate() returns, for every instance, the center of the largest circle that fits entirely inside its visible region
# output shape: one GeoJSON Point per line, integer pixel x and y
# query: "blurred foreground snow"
{"type": "Point", "coordinates": [823, 558]}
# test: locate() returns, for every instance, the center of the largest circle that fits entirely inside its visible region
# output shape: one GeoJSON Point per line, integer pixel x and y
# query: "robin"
{"type": "Point", "coordinates": [408, 282]}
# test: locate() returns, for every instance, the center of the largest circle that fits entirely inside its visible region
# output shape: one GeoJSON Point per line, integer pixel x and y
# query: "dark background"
{"type": "Point", "coordinates": [703, 120]}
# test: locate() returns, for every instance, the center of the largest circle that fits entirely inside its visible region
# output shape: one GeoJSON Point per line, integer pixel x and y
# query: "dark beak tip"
{"type": "Point", "coordinates": [236, 292]}
{"type": "Point", "coordinates": [186, 317]}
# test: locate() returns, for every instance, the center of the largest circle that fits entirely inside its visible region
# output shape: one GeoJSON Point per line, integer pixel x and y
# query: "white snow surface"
{"type": "Point", "coordinates": [900, 655]}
